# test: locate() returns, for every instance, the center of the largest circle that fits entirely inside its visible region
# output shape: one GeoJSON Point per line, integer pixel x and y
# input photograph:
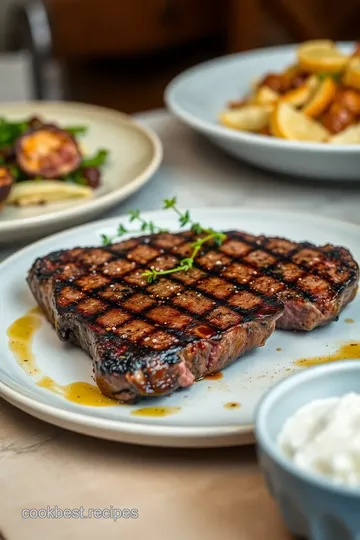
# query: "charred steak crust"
{"type": "Point", "coordinates": [150, 339]}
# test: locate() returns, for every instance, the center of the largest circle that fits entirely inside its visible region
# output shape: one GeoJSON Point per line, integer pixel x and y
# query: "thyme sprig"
{"type": "Point", "coordinates": [187, 263]}
{"type": "Point", "coordinates": [184, 219]}
{"type": "Point", "coordinates": [134, 215]}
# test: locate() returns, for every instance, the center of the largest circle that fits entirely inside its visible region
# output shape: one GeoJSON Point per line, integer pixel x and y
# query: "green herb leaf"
{"type": "Point", "coordinates": [76, 177]}
{"type": "Point", "coordinates": [187, 263]}
{"type": "Point", "coordinates": [106, 240]}
{"type": "Point", "coordinates": [11, 131]}
{"type": "Point", "coordinates": [134, 214]}
{"type": "Point", "coordinates": [184, 218]}
{"type": "Point", "coordinates": [196, 228]}
{"type": "Point", "coordinates": [169, 203]}
{"type": "Point", "coordinates": [122, 230]}
{"type": "Point", "coordinates": [324, 75]}
{"type": "Point", "coordinates": [76, 130]}
{"type": "Point", "coordinates": [97, 160]}
{"type": "Point", "coordinates": [150, 275]}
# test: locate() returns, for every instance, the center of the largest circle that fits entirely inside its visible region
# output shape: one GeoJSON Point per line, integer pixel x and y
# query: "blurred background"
{"type": "Point", "coordinates": [122, 53]}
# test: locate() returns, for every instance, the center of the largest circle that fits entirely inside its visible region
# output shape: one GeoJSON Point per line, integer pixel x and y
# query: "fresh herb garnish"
{"type": "Point", "coordinates": [324, 75]}
{"type": "Point", "coordinates": [10, 131]}
{"type": "Point", "coordinates": [76, 177]}
{"type": "Point", "coordinates": [76, 130]}
{"type": "Point", "coordinates": [97, 160]}
{"type": "Point", "coordinates": [184, 219]}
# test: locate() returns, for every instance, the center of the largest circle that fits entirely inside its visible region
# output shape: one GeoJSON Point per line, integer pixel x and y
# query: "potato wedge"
{"type": "Point", "coordinates": [252, 118]}
{"type": "Point", "coordinates": [265, 96]}
{"type": "Point", "coordinates": [350, 135]}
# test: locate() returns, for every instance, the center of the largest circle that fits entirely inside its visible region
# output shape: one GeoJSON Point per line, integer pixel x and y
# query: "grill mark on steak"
{"type": "Point", "coordinates": [150, 339]}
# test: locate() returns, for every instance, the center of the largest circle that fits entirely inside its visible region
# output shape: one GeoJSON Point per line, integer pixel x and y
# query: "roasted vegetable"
{"type": "Point", "coordinates": [48, 152]}
{"type": "Point", "coordinates": [92, 176]}
{"type": "Point", "coordinates": [10, 131]}
{"type": "Point", "coordinates": [6, 182]}
{"type": "Point", "coordinates": [46, 191]}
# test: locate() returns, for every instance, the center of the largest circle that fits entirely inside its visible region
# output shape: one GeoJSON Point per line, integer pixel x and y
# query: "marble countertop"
{"type": "Point", "coordinates": [192, 494]}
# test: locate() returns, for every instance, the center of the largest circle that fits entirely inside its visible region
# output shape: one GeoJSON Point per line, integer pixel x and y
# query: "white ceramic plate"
{"type": "Point", "coordinates": [135, 155]}
{"type": "Point", "coordinates": [199, 94]}
{"type": "Point", "coordinates": [203, 420]}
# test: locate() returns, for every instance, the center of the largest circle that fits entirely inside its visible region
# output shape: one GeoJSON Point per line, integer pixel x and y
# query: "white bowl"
{"type": "Point", "coordinates": [197, 96]}
{"type": "Point", "coordinates": [312, 506]}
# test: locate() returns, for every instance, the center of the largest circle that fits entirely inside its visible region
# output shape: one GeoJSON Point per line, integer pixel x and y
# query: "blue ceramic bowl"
{"type": "Point", "coordinates": [312, 506]}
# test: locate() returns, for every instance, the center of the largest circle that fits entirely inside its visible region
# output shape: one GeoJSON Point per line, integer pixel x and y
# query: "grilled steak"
{"type": "Point", "coordinates": [150, 339]}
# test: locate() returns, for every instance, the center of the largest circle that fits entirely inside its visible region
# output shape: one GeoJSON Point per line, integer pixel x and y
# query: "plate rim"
{"type": "Point", "coordinates": [106, 200]}
{"type": "Point", "coordinates": [136, 432]}
{"type": "Point", "coordinates": [217, 130]}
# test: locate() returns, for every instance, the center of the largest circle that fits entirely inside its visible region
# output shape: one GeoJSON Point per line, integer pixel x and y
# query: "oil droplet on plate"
{"type": "Point", "coordinates": [232, 405]}
{"type": "Point", "coordinates": [349, 321]}
{"type": "Point", "coordinates": [214, 376]}
{"type": "Point", "coordinates": [348, 351]}
{"type": "Point", "coordinates": [20, 334]}
{"type": "Point", "coordinates": [279, 349]}
{"type": "Point", "coordinates": [82, 393]}
{"type": "Point", "coordinates": [156, 411]}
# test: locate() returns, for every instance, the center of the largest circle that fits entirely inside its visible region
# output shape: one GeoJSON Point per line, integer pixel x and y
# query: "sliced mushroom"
{"type": "Point", "coordinates": [48, 152]}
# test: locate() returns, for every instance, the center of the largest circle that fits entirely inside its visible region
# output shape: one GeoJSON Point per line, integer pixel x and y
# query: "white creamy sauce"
{"type": "Point", "coordinates": [323, 437]}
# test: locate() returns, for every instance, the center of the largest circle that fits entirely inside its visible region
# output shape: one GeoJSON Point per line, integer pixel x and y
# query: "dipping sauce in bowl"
{"type": "Point", "coordinates": [308, 440]}
{"type": "Point", "coordinates": [323, 437]}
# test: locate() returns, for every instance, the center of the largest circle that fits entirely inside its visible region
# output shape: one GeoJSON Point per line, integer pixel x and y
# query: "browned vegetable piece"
{"type": "Point", "coordinates": [337, 118]}
{"type": "Point", "coordinates": [293, 78]}
{"type": "Point", "coordinates": [236, 104]}
{"type": "Point", "coordinates": [7, 153]}
{"type": "Point", "coordinates": [35, 122]}
{"type": "Point", "coordinates": [273, 81]}
{"type": "Point", "coordinates": [92, 176]}
{"type": "Point", "coordinates": [48, 152]}
{"type": "Point", "coordinates": [349, 99]}
{"type": "Point", "coordinates": [6, 182]}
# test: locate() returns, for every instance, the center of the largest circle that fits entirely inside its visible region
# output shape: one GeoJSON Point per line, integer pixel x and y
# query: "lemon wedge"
{"type": "Point", "coordinates": [33, 192]}
{"type": "Point", "coordinates": [352, 74]}
{"type": "Point", "coordinates": [321, 98]}
{"type": "Point", "coordinates": [321, 56]}
{"type": "Point", "coordinates": [288, 123]}
{"type": "Point", "coordinates": [299, 96]}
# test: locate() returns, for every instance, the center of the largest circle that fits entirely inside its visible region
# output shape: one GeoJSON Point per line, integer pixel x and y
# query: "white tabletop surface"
{"type": "Point", "coordinates": [201, 175]}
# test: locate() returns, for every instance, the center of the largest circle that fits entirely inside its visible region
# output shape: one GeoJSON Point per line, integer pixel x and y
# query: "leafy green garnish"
{"type": "Point", "coordinates": [76, 177]}
{"type": "Point", "coordinates": [97, 160]}
{"type": "Point", "coordinates": [76, 130]}
{"type": "Point", "coordinates": [10, 131]}
{"type": "Point", "coordinates": [106, 240]}
{"type": "Point", "coordinates": [184, 219]}
{"type": "Point", "coordinates": [324, 75]}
